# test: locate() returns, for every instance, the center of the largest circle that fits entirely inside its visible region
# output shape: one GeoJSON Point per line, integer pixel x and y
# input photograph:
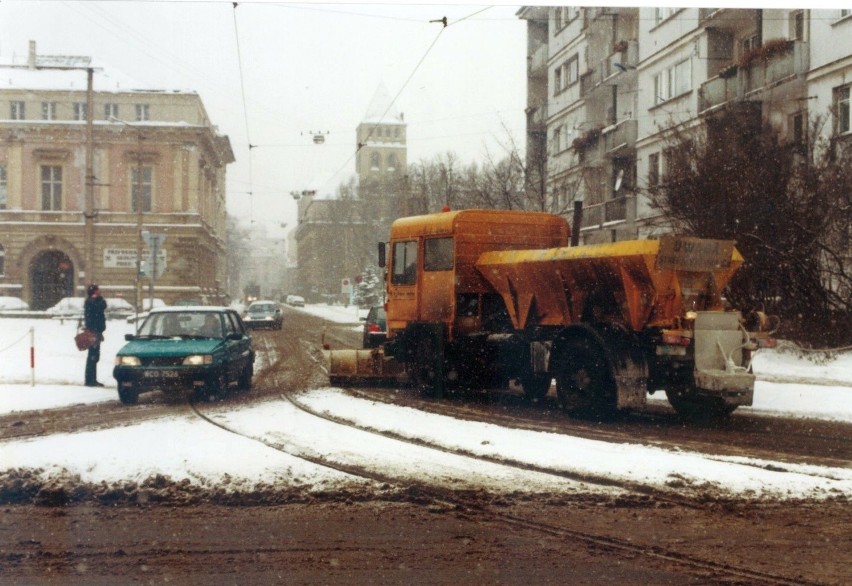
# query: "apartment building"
{"type": "Point", "coordinates": [84, 173]}
{"type": "Point", "coordinates": [605, 85]}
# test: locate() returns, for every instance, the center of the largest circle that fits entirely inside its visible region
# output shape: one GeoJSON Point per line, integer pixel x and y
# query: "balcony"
{"type": "Point", "coordinates": [622, 134]}
{"type": "Point", "coordinates": [782, 61]}
{"type": "Point", "coordinates": [615, 210]}
{"type": "Point", "coordinates": [537, 62]}
{"type": "Point", "coordinates": [593, 215]}
{"type": "Point", "coordinates": [716, 91]}
{"type": "Point", "coordinates": [617, 62]}
{"type": "Point", "coordinates": [536, 115]}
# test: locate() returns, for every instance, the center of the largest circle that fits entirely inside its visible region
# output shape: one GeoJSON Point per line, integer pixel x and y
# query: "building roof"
{"type": "Point", "coordinates": [382, 108]}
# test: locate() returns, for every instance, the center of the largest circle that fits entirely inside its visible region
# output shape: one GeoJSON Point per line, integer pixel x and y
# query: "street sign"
{"type": "Point", "coordinates": [153, 239]}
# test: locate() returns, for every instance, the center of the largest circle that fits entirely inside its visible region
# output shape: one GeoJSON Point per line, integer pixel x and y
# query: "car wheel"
{"type": "Point", "coordinates": [245, 377]}
{"type": "Point", "coordinates": [128, 395]}
{"type": "Point", "coordinates": [215, 388]}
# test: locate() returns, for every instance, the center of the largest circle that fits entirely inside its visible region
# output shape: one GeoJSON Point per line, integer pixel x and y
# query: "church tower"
{"type": "Point", "coordinates": [382, 160]}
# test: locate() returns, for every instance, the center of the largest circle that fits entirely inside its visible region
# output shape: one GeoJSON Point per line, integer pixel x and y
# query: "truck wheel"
{"type": "Point", "coordinates": [696, 407]}
{"type": "Point", "coordinates": [536, 385]}
{"type": "Point", "coordinates": [128, 395]}
{"type": "Point", "coordinates": [583, 385]}
{"type": "Point", "coordinates": [424, 371]}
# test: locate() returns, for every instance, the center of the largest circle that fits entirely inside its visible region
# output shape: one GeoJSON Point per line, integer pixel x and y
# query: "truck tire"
{"type": "Point", "coordinates": [425, 371]}
{"type": "Point", "coordinates": [583, 384]}
{"type": "Point", "coordinates": [536, 385]}
{"type": "Point", "coordinates": [689, 405]}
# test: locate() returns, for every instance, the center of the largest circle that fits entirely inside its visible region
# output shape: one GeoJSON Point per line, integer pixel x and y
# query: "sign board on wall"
{"type": "Point", "coordinates": [125, 258]}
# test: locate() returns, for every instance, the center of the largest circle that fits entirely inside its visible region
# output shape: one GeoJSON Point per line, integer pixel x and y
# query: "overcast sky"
{"type": "Point", "coordinates": [270, 73]}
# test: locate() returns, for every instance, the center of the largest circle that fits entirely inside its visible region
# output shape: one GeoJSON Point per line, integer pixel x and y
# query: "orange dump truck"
{"type": "Point", "coordinates": [489, 298]}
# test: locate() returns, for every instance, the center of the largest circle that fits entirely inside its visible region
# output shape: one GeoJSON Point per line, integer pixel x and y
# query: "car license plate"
{"type": "Point", "coordinates": [160, 374]}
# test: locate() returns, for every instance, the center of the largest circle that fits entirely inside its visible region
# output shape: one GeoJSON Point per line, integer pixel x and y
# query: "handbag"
{"type": "Point", "coordinates": [85, 339]}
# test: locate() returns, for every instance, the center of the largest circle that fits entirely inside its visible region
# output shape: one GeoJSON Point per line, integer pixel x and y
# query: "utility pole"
{"type": "Point", "coordinates": [90, 212]}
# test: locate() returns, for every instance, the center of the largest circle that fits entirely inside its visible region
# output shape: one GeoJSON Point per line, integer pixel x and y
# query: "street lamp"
{"type": "Point", "coordinates": [139, 214]}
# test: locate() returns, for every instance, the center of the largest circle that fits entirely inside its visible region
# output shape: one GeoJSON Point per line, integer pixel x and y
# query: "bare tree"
{"type": "Point", "coordinates": [786, 205]}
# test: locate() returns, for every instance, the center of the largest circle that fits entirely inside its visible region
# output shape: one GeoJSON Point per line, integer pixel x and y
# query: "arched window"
{"type": "Point", "coordinates": [2, 261]}
{"type": "Point", "coordinates": [374, 161]}
{"type": "Point", "coordinates": [392, 162]}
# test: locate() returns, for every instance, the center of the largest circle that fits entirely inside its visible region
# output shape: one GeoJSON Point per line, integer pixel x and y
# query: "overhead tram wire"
{"type": "Point", "coordinates": [245, 114]}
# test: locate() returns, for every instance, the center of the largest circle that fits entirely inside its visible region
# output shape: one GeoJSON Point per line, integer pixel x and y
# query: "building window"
{"type": "Point", "coordinates": [797, 25]}
{"type": "Point", "coordinates": [48, 110]}
{"type": "Point", "coordinates": [673, 82]}
{"type": "Point", "coordinates": [842, 110]}
{"type": "Point", "coordinates": [844, 12]}
{"type": "Point", "coordinates": [81, 111]}
{"type": "Point", "coordinates": [392, 162]}
{"type": "Point", "coordinates": [17, 111]}
{"type": "Point", "coordinates": [3, 197]}
{"type": "Point", "coordinates": [146, 185]}
{"type": "Point", "coordinates": [374, 161]}
{"type": "Point", "coordinates": [110, 111]}
{"type": "Point", "coordinates": [653, 169]}
{"type": "Point", "coordinates": [663, 13]}
{"type": "Point", "coordinates": [557, 139]}
{"type": "Point", "coordinates": [142, 112]}
{"type": "Point", "coordinates": [51, 188]}
{"type": "Point", "coordinates": [2, 261]}
{"type": "Point", "coordinates": [558, 18]}
{"type": "Point", "coordinates": [566, 74]}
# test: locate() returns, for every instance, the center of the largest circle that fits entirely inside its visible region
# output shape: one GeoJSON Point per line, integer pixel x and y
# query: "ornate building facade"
{"type": "Point", "coordinates": [86, 172]}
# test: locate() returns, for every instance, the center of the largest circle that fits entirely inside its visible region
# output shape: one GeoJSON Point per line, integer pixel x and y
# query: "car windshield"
{"type": "Point", "coordinates": [184, 324]}
{"type": "Point", "coordinates": [261, 308]}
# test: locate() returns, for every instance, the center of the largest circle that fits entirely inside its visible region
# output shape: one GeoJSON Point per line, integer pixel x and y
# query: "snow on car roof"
{"type": "Point", "coordinates": [185, 308]}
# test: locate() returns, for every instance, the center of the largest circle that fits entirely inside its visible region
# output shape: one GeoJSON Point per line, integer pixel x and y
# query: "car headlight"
{"type": "Point", "coordinates": [127, 361]}
{"type": "Point", "coordinates": [198, 359]}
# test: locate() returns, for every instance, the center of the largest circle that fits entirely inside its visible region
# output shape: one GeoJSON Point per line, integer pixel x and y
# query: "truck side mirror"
{"type": "Point", "coordinates": [382, 255]}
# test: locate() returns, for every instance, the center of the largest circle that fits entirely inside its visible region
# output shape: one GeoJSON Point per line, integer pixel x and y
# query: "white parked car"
{"type": "Point", "coordinates": [13, 304]}
{"type": "Point", "coordinates": [295, 300]}
{"type": "Point", "coordinates": [146, 304]}
{"type": "Point", "coordinates": [67, 307]}
{"type": "Point", "coordinates": [72, 308]}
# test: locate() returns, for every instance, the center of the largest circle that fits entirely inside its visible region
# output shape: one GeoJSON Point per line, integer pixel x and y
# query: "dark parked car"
{"type": "Point", "coordinates": [375, 327]}
{"type": "Point", "coordinates": [205, 349]}
{"type": "Point", "coordinates": [264, 314]}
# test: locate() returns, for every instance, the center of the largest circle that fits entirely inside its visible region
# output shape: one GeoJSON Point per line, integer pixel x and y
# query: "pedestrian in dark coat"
{"type": "Point", "coordinates": [94, 318]}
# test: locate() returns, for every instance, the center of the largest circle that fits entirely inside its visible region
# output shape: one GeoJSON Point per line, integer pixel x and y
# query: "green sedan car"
{"type": "Point", "coordinates": [205, 349]}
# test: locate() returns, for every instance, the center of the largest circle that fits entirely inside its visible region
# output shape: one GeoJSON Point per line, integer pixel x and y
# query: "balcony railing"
{"type": "Point", "coordinates": [716, 91]}
{"type": "Point", "coordinates": [537, 115]}
{"type": "Point", "coordinates": [762, 73]}
{"type": "Point", "coordinates": [623, 133]}
{"type": "Point", "coordinates": [615, 209]}
{"type": "Point", "coordinates": [593, 215]}
{"type": "Point", "coordinates": [537, 62]}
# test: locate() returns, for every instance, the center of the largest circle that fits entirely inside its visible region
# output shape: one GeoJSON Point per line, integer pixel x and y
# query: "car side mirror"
{"type": "Point", "coordinates": [129, 337]}
{"type": "Point", "coordinates": [235, 336]}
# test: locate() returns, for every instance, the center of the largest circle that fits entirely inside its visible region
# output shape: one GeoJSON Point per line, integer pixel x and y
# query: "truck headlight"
{"type": "Point", "coordinates": [198, 359]}
{"type": "Point", "coordinates": [127, 361]}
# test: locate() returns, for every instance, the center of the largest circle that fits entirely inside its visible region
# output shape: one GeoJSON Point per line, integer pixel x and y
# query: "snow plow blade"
{"type": "Point", "coordinates": [352, 367]}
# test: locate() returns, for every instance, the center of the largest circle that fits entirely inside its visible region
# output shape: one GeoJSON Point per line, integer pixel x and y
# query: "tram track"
{"type": "Point", "coordinates": [483, 512]}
